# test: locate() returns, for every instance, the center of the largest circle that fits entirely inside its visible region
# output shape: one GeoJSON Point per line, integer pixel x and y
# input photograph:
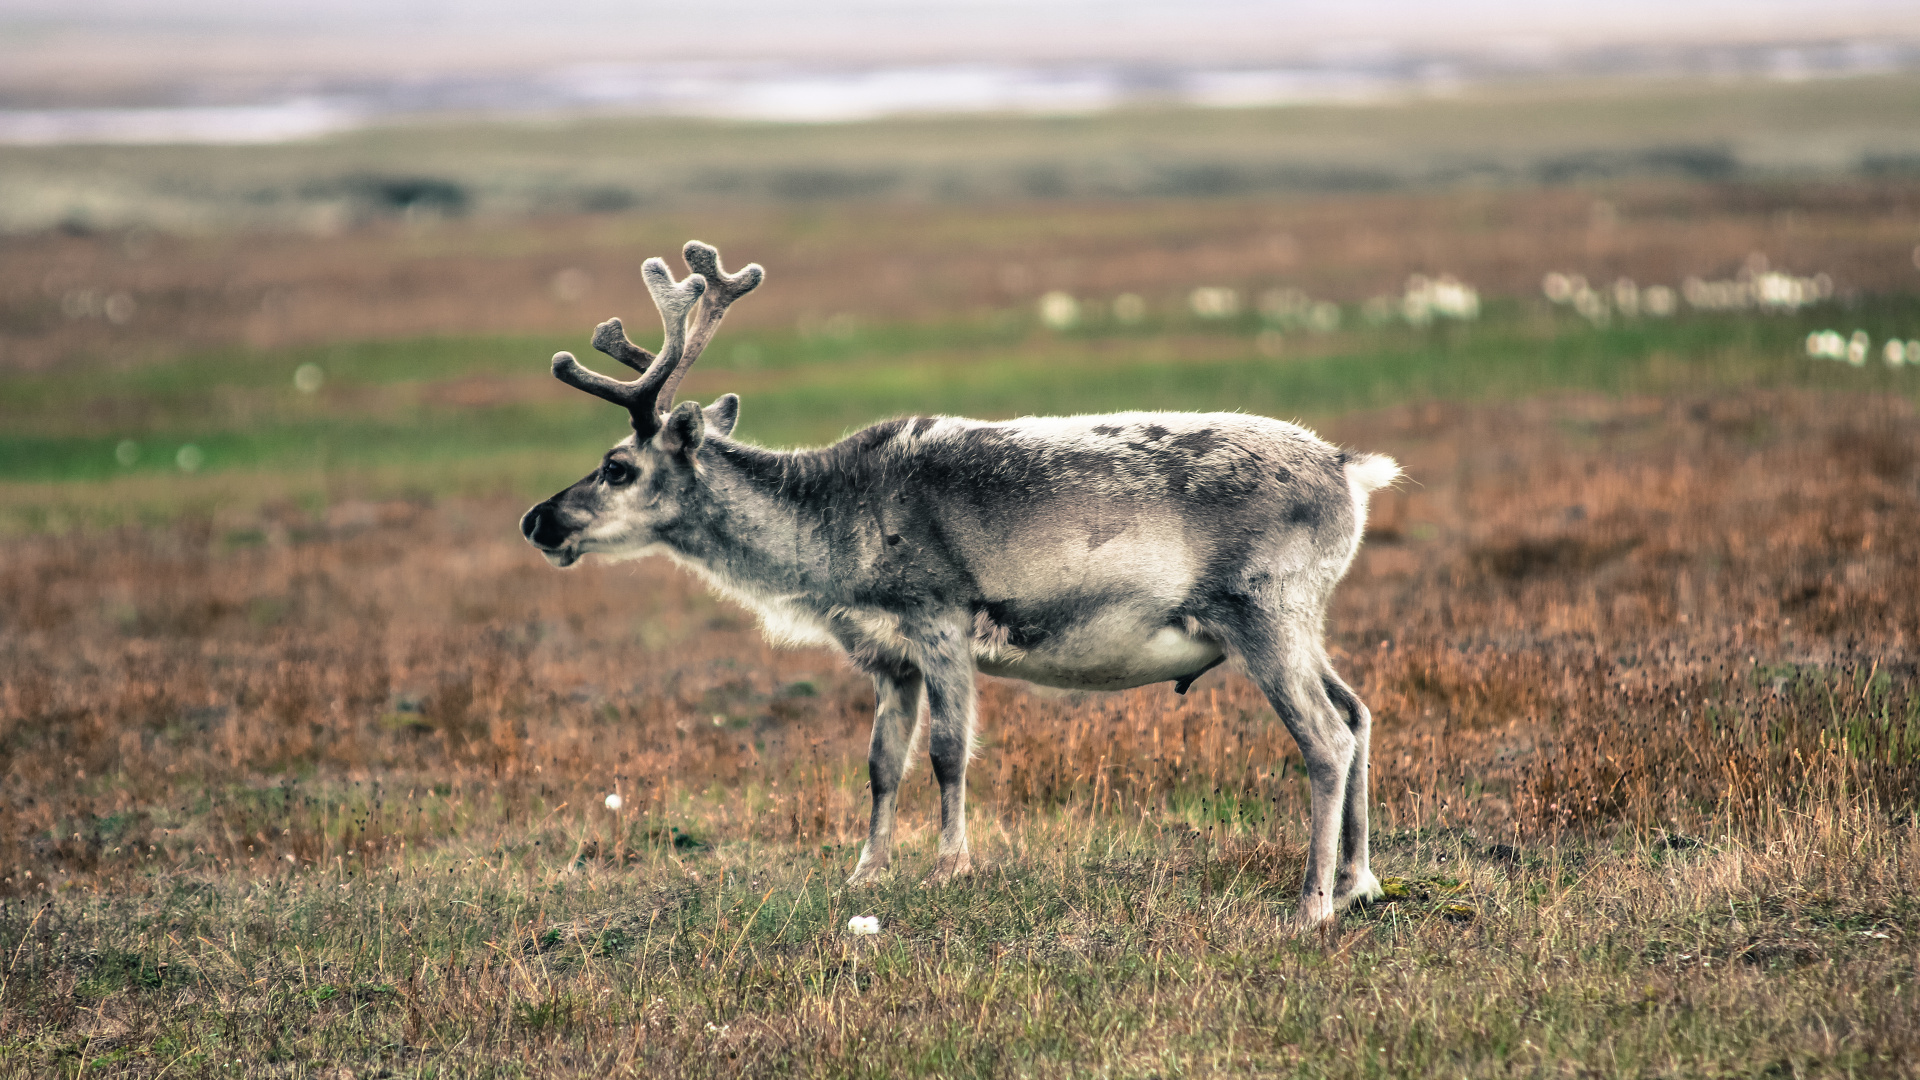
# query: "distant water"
{"type": "Point", "coordinates": [286, 121]}
{"type": "Point", "coordinates": [804, 96]}
{"type": "Point", "coordinates": [827, 95]}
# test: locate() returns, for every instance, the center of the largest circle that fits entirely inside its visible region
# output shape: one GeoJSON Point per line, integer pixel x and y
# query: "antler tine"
{"type": "Point", "coordinates": [569, 371]}
{"type": "Point", "coordinates": [722, 290]}
{"type": "Point", "coordinates": [610, 337]}
{"type": "Point", "coordinates": [674, 299]}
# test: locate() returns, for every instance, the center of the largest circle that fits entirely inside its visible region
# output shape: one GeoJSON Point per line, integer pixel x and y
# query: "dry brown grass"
{"type": "Point", "coordinates": [1685, 615]}
{"type": "Point", "coordinates": [298, 793]}
{"type": "Point", "coordinates": [287, 789]}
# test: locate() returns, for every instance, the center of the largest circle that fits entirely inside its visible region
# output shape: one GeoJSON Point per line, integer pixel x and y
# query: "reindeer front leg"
{"type": "Point", "coordinates": [896, 714]}
{"type": "Point", "coordinates": [948, 667]}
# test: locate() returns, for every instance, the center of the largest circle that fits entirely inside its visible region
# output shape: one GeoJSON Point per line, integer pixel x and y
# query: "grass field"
{"type": "Point", "coordinates": [329, 792]}
{"type": "Point", "coordinates": [304, 754]}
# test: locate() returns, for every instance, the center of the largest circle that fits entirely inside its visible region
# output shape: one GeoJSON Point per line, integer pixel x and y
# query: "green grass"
{"type": "Point", "coordinates": [395, 405]}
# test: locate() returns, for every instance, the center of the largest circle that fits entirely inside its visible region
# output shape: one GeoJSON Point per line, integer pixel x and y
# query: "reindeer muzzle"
{"type": "Point", "coordinates": [542, 528]}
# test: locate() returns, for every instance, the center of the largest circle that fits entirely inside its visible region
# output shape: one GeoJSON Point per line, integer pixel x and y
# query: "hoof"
{"type": "Point", "coordinates": [1364, 889]}
{"type": "Point", "coordinates": [868, 873]}
{"type": "Point", "coordinates": [950, 867]}
{"type": "Point", "coordinates": [1313, 911]}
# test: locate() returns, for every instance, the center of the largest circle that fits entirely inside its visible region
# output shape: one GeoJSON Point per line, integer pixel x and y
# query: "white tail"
{"type": "Point", "coordinates": [1371, 472]}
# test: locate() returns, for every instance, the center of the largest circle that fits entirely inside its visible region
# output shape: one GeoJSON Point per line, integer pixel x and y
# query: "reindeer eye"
{"type": "Point", "coordinates": [616, 473]}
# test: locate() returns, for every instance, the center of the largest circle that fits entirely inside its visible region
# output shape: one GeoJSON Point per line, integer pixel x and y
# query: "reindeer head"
{"type": "Point", "coordinates": [642, 483]}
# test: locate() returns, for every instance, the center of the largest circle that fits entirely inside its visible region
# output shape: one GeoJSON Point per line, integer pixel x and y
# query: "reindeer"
{"type": "Point", "coordinates": [1084, 552]}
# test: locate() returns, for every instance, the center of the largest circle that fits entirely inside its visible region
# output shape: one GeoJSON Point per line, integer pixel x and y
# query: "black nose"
{"type": "Point", "coordinates": [542, 526]}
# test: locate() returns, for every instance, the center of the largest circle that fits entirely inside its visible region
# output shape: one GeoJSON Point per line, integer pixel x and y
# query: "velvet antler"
{"type": "Point", "coordinates": [643, 396]}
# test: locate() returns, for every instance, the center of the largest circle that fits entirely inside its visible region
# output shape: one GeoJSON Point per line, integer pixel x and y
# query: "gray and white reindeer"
{"type": "Point", "coordinates": [1085, 552]}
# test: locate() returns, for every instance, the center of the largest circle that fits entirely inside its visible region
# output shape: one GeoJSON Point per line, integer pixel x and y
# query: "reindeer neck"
{"type": "Point", "coordinates": [761, 526]}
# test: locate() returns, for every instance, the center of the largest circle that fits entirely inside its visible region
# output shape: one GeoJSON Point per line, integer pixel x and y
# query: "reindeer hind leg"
{"type": "Point", "coordinates": [1354, 882]}
{"type": "Point", "coordinates": [1286, 663]}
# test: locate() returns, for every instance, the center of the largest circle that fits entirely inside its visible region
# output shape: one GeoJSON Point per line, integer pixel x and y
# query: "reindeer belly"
{"type": "Point", "coordinates": [1111, 652]}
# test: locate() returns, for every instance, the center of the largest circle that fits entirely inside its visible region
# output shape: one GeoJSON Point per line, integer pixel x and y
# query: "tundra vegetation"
{"type": "Point", "coordinates": [305, 757]}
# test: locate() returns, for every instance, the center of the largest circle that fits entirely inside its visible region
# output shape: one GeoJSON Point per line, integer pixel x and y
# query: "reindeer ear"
{"type": "Point", "coordinates": [684, 429]}
{"type": "Point", "coordinates": [723, 414]}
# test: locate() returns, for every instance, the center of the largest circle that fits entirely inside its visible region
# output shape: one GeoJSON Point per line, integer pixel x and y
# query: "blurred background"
{"type": "Point", "coordinates": [963, 206]}
{"type": "Point", "coordinates": [974, 206]}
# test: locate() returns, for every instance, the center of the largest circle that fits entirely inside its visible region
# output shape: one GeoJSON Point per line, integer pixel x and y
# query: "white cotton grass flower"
{"type": "Point", "coordinates": [1291, 307]}
{"type": "Point", "coordinates": [1626, 297]}
{"type": "Point", "coordinates": [1323, 317]}
{"type": "Point", "coordinates": [1757, 286]}
{"type": "Point", "coordinates": [1444, 297]}
{"type": "Point", "coordinates": [863, 925]}
{"type": "Point", "coordinates": [1597, 304]}
{"type": "Point", "coordinates": [307, 378]}
{"type": "Point", "coordinates": [615, 802]}
{"type": "Point", "coordinates": [1784, 292]}
{"type": "Point", "coordinates": [1858, 346]}
{"type": "Point", "coordinates": [1285, 305]}
{"type": "Point", "coordinates": [190, 458]}
{"type": "Point", "coordinates": [1214, 302]}
{"type": "Point", "coordinates": [118, 309]}
{"type": "Point", "coordinates": [1826, 345]}
{"type": "Point", "coordinates": [1895, 352]}
{"type": "Point", "coordinates": [1059, 310]}
{"type": "Point", "coordinates": [1592, 305]}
